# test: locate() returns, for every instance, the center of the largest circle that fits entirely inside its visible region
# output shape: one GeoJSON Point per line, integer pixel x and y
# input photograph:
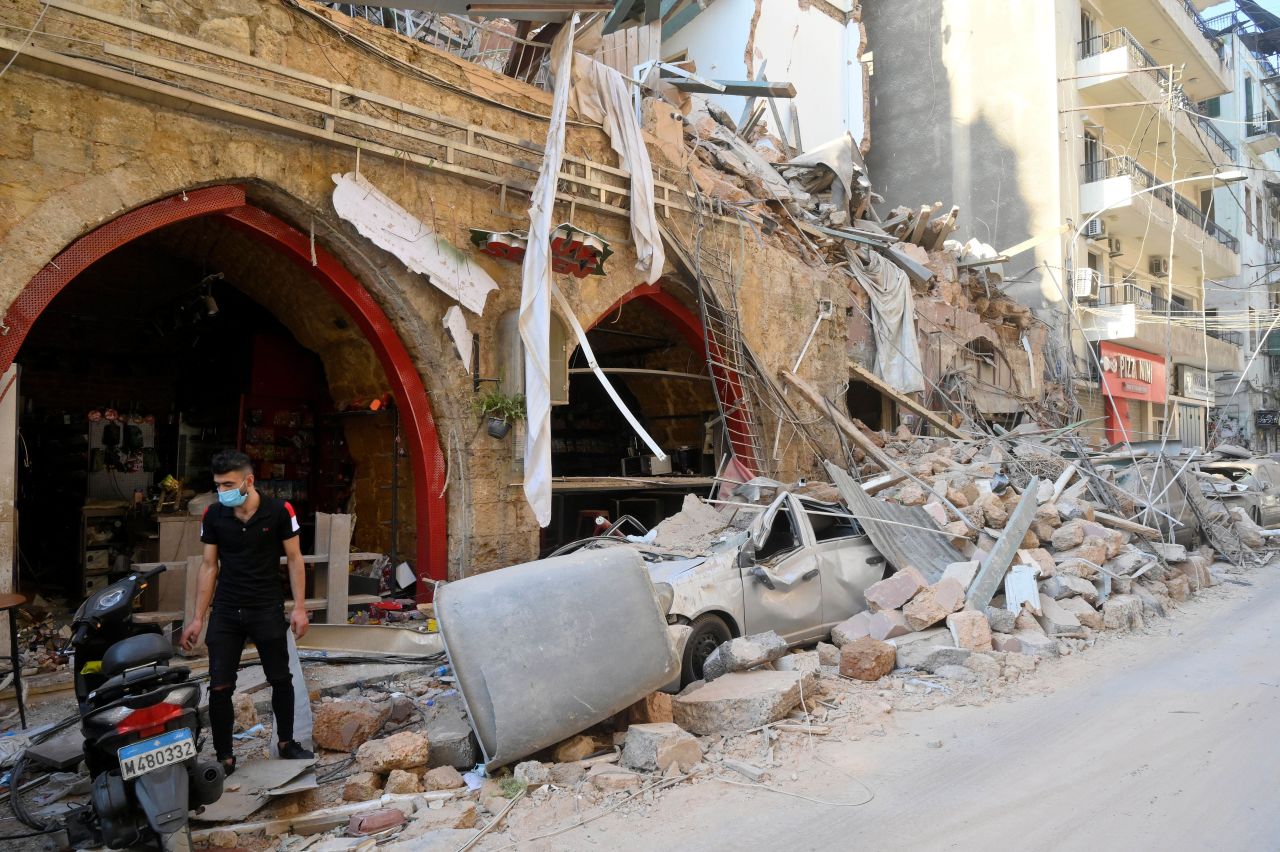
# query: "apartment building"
{"type": "Point", "coordinates": [1242, 307]}
{"type": "Point", "coordinates": [1067, 132]}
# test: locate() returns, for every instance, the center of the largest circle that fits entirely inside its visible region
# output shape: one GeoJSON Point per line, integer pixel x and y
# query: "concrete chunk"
{"type": "Point", "coordinates": [962, 572]}
{"type": "Point", "coordinates": [854, 627]}
{"type": "Point", "coordinates": [894, 591]}
{"type": "Point", "coordinates": [1000, 619]}
{"type": "Point", "coordinates": [655, 747]}
{"type": "Point", "coordinates": [743, 653]}
{"type": "Point", "coordinates": [1122, 612]}
{"type": "Point", "coordinates": [1083, 611]}
{"type": "Point", "coordinates": [1066, 586]}
{"type": "Point", "coordinates": [888, 623]}
{"type": "Point", "coordinates": [1170, 552]}
{"type": "Point", "coordinates": [1036, 644]}
{"type": "Point", "coordinates": [738, 701]}
{"type": "Point", "coordinates": [1055, 620]}
{"type": "Point", "coordinates": [347, 725]}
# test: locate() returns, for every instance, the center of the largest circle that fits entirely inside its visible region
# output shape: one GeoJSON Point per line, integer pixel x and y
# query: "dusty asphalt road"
{"type": "Point", "coordinates": [1164, 740]}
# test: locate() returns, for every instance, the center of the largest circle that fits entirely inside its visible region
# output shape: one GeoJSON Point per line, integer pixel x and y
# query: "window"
{"type": "Point", "coordinates": [782, 536]}
{"type": "Point", "coordinates": [1206, 203]}
{"type": "Point", "coordinates": [1248, 211]}
{"type": "Point", "coordinates": [1248, 103]}
{"type": "Point", "coordinates": [828, 525]}
{"type": "Point", "coordinates": [1211, 108]}
{"type": "Point", "coordinates": [1088, 32]}
{"type": "Point", "coordinates": [1094, 170]}
{"type": "Point", "coordinates": [511, 357]}
{"type": "Point", "coordinates": [1257, 205]}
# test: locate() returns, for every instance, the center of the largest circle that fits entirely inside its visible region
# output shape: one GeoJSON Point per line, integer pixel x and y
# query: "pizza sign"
{"type": "Point", "coordinates": [573, 251]}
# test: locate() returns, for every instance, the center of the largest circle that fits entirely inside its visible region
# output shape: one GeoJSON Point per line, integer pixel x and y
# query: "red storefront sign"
{"type": "Point", "coordinates": [1132, 374]}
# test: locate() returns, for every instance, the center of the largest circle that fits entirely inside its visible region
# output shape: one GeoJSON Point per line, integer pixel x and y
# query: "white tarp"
{"type": "Point", "coordinates": [389, 226]}
{"type": "Point", "coordinates": [535, 295]}
{"type": "Point", "coordinates": [599, 93]}
{"type": "Point", "coordinates": [893, 316]}
{"type": "Point", "coordinates": [456, 324]}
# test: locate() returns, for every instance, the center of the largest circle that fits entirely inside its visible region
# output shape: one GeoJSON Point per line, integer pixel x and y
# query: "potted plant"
{"type": "Point", "coordinates": [501, 410]}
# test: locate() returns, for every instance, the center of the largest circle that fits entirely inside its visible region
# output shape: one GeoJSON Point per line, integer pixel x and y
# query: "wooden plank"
{"type": "Point", "coordinates": [942, 229]}
{"type": "Point", "coordinates": [617, 16]}
{"type": "Point", "coordinates": [160, 617]}
{"type": "Point", "coordinates": [795, 128]}
{"type": "Point", "coordinates": [339, 568]}
{"type": "Point", "coordinates": [876, 382]}
{"type": "Point", "coordinates": [853, 433]}
{"type": "Point", "coordinates": [991, 574]}
{"type": "Point", "coordinates": [1124, 525]}
{"type": "Point", "coordinates": [922, 221]}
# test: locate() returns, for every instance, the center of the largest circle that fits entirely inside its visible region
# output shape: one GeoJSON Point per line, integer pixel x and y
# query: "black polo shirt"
{"type": "Point", "coordinates": [249, 552]}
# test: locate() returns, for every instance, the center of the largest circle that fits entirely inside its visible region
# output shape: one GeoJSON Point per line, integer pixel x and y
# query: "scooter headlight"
{"type": "Point", "coordinates": [108, 600]}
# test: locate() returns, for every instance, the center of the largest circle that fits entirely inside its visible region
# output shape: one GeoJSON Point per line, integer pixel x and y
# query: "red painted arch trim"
{"type": "Point", "coordinates": [690, 327]}
{"type": "Point", "coordinates": [419, 432]}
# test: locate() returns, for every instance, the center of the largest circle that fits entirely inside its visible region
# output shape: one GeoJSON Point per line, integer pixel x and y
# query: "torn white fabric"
{"type": "Point", "coordinates": [389, 226]}
{"type": "Point", "coordinates": [567, 310]}
{"type": "Point", "coordinates": [535, 294]}
{"type": "Point", "coordinates": [1031, 363]}
{"type": "Point", "coordinates": [842, 157]}
{"type": "Point", "coordinates": [599, 93]}
{"type": "Point", "coordinates": [893, 316]}
{"type": "Point", "coordinates": [456, 323]}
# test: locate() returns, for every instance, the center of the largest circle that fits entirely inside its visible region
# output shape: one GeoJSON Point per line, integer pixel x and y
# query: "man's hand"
{"type": "Point", "coordinates": [299, 622]}
{"type": "Point", "coordinates": [191, 633]}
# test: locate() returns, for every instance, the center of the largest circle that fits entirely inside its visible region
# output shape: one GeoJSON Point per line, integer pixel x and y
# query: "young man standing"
{"type": "Point", "coordinates": [244, 534]}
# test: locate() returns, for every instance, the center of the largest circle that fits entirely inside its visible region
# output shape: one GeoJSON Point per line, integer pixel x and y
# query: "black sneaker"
{"type": "Point", "coordinates": [293, 750]}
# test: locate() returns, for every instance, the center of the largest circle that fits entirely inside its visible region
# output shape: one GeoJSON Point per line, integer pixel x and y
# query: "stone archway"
{"type": "Point", "coordinates": [229, 202]}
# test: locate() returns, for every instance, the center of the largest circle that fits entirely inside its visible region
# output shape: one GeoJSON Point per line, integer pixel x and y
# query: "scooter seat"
{"type": "Point", "coordinates": [141, 650]}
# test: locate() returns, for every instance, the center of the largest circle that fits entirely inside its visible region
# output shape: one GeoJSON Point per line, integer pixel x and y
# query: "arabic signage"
{"type": "Point", "coordinates": [1131, 373]}
{"type": "Point", "coordinates": [1194, 383]}
{"type": "Point", "coordinates": [1269, 418]}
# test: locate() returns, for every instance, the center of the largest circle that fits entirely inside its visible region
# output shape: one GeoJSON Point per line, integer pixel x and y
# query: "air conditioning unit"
{"type": "Point", "coordinates": [1158, 265]}
{"type": "Point", "coordinates": [1113, 247]}
{"type": "Point", "coordinates": [1094, 229]}
{"type": "Point", "coordinates": [1085, 284]}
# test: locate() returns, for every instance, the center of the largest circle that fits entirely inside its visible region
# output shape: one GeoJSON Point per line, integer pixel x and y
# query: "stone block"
{"type": "Point", "coordinates": [442, 778]}
{"type": "Point", "coordinates": [1179, 587]}
{"type": "Point", "coordinates": [962, 572]}
{"type": "Point", "coordinates": [655, 707]}
{"type": "Point", "coordinates": [1056, 620]}
{"type": "Point", "coordinates": [911, 494]}
{"type": "Point", "coordinates": [1092, 550]}
{"type": "Point", "coordinates": [532, 773]}
{"type": "Point", "coordinates": [1069, 535]}
{"type": "Point", "coordinates": [994, 511]}
{"type": "Point", "coordinates": [888, 623]}
{"type": "Point", "coordinates": [1066, 586]}
{"type": "Point", "coordinates": [1122, 612]}
{"type": "Point", "coordinates": [828, 655]}
{"type": "Point", "coordinates": [739, 701]}
{"type": "Point", "coordinates": [1005, 642]}
{"type": "Point", "coordinates": [929, 655]}
{"type": "Point", "coordinates": [867, 659]}
{"type": "Point", "coordinates": [852, 628]}
{"type": "Point", "coordinates": [345, 725]}
{"type": "Point", "coordinates": [400, 781]}
{"type": "Point", "coordinates": [577, 747]}
{"type": "Point", "coordinates": [969, 629]}
{"type": "Point", "coordinates": [568, 774]}
{"type": "Point", "coordinates": [612, 779]}
{"type": "Point", "coordinates": [1036, 644]}
{"type": "Point", "coordinates": [933, 603]}
{"type": "Point", "coordinates": [362, 786]}
{"type": "Point", "coordinates": [1083, 611]}
{"type": "Point", "coordinates": [374, 821]}
{"type": "Point", "coordinates": [452, 741]}
{"type": "Point", "coordinates": [404, 750]}
{"type": "Point", "coordinates": [895, 590]}
{"type": "Point", "coordinates": [655, 747]}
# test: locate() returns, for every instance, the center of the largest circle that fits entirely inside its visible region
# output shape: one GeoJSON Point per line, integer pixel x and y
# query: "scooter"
{"type": "Point", "coordinates": [141, 724]}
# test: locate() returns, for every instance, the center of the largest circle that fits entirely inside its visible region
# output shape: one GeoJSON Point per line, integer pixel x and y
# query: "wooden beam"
{"type": "Point", "coordinates": [681, 19]}
{"type": "Point", "coordinates": [876, 382]}
{"type": "Point", "coordinates": [746, 88]}
{"type": "Point", "coordinates": [844, 424]}
{"type": "Point", "coordinates": [1126, 525]}
{"type": "Point", "coordinates": [617, 16]}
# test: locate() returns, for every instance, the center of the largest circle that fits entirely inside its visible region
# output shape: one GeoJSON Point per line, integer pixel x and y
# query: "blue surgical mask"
{"type": "Point", "coordinates": [232, 499]}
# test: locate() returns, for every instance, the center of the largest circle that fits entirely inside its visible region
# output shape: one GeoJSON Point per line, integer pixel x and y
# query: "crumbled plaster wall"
{"type": "Point", "coordinates": [73, 157]}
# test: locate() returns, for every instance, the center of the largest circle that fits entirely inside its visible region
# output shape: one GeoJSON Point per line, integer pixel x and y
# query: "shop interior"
{"type": "Point", "coordinates": [157, 356]}
{"type": "Point", "coordinates": [603, 470]}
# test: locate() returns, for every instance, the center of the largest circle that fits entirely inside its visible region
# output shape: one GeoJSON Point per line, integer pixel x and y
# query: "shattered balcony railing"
{"type": "Point", "coordinates": [1126, 293]}
{"type": "Point", "coordinates": [1261, 124]}
{"type": "Point", "coordinates": [494, 45]}
{"type": "Point", "coordinates": [1235, 338]}
{"type": "Point", "coordinates": [1112, 167]}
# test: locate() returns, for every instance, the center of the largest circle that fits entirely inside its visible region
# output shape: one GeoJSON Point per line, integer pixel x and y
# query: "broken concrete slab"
{"type": "Point", "coordinates": [655, 747]}
{"type": "Point", "coordinates": [745, 652]}
{"type": "Point", "coordinates": [1005, 642]}
{"type": "Point", "coordinates": [895, 590]}
{"type": "Point", "coordinates": [1083, 611]}
{"type": "Point", "coordinates": [452, 741]}
{"type": "Point", "coordinates": [887, 624]}
{"type": "Point", "coordinates": [739, 701]}
{"type": "Point", "coordinates": [1056, 620]}
{"type": "Point", "coordinates": [1066, 586]}
{"type": "Point", "coordinates": [1036, 644]}
{"type": "Point", "coordinates": [962, 572]}
{"type": "Point", "coordinates": [867, 659]}
{"type": "Point", "coordinates": [969, 629]}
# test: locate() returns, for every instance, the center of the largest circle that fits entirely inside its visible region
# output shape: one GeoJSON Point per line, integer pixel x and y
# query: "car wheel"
{"type": "Point", "coordinates": [708, 632]}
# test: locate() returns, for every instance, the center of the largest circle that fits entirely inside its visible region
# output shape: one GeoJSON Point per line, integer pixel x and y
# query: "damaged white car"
{"type": "Point", "coordinates": [797, 566]}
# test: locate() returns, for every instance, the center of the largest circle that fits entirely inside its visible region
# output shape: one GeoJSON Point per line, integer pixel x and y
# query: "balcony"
{"type": "Point", "coordinates": [1181, 36]}
{"type": "Point", "coordinates": [1262, 132]}
{"type": "Point", "coordinates": [1114, 68]}
{"type": "Point", "coordinates": [1131, 315]}
{"type": "Point", "coordinates": [1138, 209]}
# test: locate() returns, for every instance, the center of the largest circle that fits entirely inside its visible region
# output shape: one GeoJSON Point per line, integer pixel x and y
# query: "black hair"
{"type": "Point", "coordinates": [226, 461]}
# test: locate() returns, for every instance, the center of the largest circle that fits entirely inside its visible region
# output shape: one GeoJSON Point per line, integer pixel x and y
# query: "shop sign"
{"type": "Point", "coordinates": [1193, 383]}
{"type": "Point", "coordinates": [573, 251]}
{"type": "Point", "coordinates": [1132, 374]}
{"type": "Point", "coordinates": [1269, 418]}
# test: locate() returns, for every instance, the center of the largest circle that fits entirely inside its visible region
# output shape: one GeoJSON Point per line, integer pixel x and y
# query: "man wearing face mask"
{"type": "Point", "coordinates": [244, 535]}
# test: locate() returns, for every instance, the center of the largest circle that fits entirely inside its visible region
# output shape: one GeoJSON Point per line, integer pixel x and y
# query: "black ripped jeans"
{"type": "Point", "coordinates": [229, 628]}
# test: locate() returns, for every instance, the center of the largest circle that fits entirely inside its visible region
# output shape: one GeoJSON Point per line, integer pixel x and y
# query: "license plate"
{"type": "Point", "coordinates": [141, 758]}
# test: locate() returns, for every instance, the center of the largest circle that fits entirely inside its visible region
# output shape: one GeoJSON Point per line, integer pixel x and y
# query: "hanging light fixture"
{"type": "Point", "coordinates": [210, 303]}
